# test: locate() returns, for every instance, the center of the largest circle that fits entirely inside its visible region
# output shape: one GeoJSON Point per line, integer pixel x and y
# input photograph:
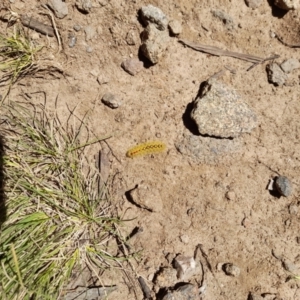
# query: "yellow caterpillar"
{"type": "Point", "coordinates": [146, 148]}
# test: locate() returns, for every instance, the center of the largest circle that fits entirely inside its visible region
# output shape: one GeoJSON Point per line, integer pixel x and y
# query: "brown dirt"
{"type": "Point", "coordinates": [193, 195]}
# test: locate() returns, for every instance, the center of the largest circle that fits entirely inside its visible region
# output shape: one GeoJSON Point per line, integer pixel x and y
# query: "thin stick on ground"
{"type": "Point", "coordinates": [50, 14]}
{"type": "Point", "coordinates": [220, 52]}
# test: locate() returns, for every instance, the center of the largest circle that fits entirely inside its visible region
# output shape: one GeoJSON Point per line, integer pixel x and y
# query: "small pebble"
{"type": "Point", "coordinates": [90, 32]}
{"type": "Point", "coordinates": [231, 270]}
{"type": "Point", "coordinates": [276, 75]}
{"type": "Point", "coordinates": [72, 40]}
{"type": "Point", "coordinates": [77, 27]}
{"type": "Point", "coordinates": [293, 209]}
{"type": "Point", "coordinates": [289, 266]}
{"type": "Point", "coordinates": [289, 65]}
{"type": "Point", "coordinates": [131, 38]}
{"type": "Point", "coordinates": [175, 27]}
{"type": "Point", "coordinates": [59, 7]}
{"type": "Point", "coordinates": [154, 15]}
{"type": "Point", "coordinates": [184, 238]}
{"type": "Point", "coordinates": [111, 100]}
{"type": "Point", "coordinates": [132, 66]}
{"type": "Point", "coordinates": [103, 79]}
{"type": "Point", "coordinates": [89, 49]}
{"type": "Point", "coordinates": [283, 186]}
{"type": "Point", "coordinates": [185, 265]}
{"type": "Point", "coordinates": [253, 3]}
{"type": "Point", "coordinates": [84, 6]}
{"type": "Point", "coordinates": [230, 195]}
{"type": "Point", "coordinates": [246, 222]}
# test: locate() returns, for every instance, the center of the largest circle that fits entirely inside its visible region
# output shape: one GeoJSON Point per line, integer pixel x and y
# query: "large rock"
{"type": "Point", "coordinates": [287, 4]}
{"type": "Point", "coordinates": [220, 112]}
{"type": "Point", "coordinates": [155, 43]}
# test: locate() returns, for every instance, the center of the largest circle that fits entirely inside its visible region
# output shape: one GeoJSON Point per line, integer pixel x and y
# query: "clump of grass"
{"type": "Point", "coordinates": [18, 55]}
{"type": "Point", "coordinates": [56, 219]}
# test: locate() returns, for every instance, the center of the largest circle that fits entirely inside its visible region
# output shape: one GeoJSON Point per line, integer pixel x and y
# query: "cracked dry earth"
{"type": "Point", "coordinates": [218, 199]}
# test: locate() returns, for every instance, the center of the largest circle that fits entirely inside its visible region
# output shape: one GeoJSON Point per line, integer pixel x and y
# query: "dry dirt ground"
{"type": "Point", "coordinates": [221, 203]}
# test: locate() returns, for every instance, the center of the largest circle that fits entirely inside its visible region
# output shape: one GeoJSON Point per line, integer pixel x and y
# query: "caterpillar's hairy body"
{"type": "Point", "coordinates": [146, 148]}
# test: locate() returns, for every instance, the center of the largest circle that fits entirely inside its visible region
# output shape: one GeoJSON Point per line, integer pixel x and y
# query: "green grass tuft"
{"type": "Point", "coordinates": [18, 55]}
{"type": "Point", "coordinates": [57, 218]}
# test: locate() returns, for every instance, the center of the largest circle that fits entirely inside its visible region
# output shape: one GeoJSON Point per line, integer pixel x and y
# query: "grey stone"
{"type": "Point", "coordinates": [77, 27]}
{"type": "Point", "coordinates": [185, 266]}
{"type": "Point", "coordinates": [155, 43]}
{"type": "Point", "coordinates": [220, 112]}
{"type": "Point", "coordinates": [276, 75]}
{"type": "Point", "coordinates": [59, 8]}
{"type": "Point", "coordinates": [111, 100]}
{"type": "Point", "coordinates": [84, 6]}
{"type": "Point", "coordinates": [152, 14]}
{"type": "Point", "coordinates": [205, 150]}
{"type": "Point", "coordinates": [187, 291]}
{"type": "Point", "coordinates": [175, 27]}
{"type": "Point", "coordinates": [287, 4]}
{"type": "Point", "coordinates": [231, 270]}
{"type": "Point", "coordinates": [132, 66]}
{"type": "Point", "coordinates": [290, 64]}
{"type": "Point", "coordinates": [90, 32]}
{"type": "Point", "coordinates": [131, 37]}
{"type": "Point", "coordinates": [283, 186]}
{"type": "Point", "coordinates": [253, 3]}
{"type": "Point", "coordinates": [72, 40]}
{"type": "Point", "coordinates": [225, 18]}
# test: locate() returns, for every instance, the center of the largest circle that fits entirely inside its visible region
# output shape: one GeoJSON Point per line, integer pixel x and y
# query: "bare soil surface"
{"type": "Point", "coordinates": [220, 201]}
